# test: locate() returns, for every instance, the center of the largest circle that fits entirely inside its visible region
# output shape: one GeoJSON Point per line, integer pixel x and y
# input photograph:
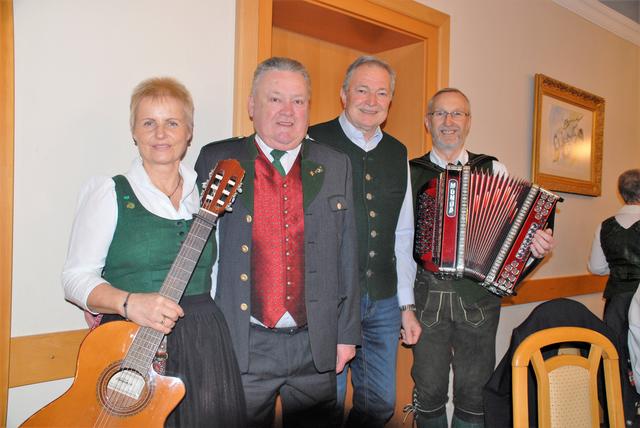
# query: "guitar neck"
{"type": "Point", "coordinates": [187, 258]}
{"type": "Point", "coordinates": [147, 341]}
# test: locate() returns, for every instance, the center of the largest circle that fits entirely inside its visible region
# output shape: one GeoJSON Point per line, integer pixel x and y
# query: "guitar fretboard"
{"type": "Point", "coordinates": [147, 340]}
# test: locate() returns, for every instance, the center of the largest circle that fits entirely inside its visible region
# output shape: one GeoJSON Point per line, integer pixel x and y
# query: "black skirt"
{"type": "Point", "coordinates": [200, 353]}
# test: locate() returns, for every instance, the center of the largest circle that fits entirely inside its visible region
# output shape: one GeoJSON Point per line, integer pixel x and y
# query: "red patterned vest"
{"type": "Point", "coordinates": [277, 260]}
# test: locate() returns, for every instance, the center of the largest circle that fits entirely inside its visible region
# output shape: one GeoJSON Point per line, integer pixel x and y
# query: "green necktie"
{"type": "Point", "coordinates": [277, 154]}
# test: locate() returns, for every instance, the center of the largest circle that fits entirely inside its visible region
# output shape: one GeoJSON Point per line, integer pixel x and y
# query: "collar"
{"type": "Point", "coordinates": [139, 174]}
{"type": "Point", "coordinates": [356, 136]}
{"type": "Point", "coordinates": [287, 159]}
{"type": "Point", "coordinates": [629, 209]}
{"type": "Point", "coordinates": [463, 158]}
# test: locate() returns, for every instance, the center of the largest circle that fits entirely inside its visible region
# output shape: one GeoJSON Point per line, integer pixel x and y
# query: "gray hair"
{"type": "Point", "coordinates": [446, 91]}
{"type": "Point", "coordinates": [369, 60]}
{"type": "Point", "coordinates": [277, 63]}
{"type": "Point", "coordinates": [629, 186]}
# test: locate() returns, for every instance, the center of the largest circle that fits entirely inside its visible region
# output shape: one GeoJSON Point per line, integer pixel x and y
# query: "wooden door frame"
{"type": "Point", "coordinates": [6, 195]}
{"type": "Point", "coordinates": [252, 47]}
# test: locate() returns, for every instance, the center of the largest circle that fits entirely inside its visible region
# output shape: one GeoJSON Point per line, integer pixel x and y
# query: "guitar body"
{"type": "Point", "coordinates": [104, 395]}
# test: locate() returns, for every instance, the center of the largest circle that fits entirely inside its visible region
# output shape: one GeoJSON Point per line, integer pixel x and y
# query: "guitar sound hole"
{"type": "Point", "coordinates": [123, 391]}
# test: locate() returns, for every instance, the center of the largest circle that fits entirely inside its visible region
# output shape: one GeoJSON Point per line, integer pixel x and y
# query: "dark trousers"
{"type": "Point", "coordinates": [281, 364]}
{"type": "Point", "coordinates": [616, 316]}
{"type": "Point", "coordinates": [454, 334]}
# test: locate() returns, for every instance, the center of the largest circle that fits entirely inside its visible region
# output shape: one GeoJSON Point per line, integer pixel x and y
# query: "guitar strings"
{"type": "Point", "coordinates": [124, 398]}
{"type": "Point", "coordinates": [195, 241]}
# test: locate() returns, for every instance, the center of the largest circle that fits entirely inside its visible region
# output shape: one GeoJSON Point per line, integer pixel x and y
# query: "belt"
{"type": "Point", "coordinates": [280, 330]}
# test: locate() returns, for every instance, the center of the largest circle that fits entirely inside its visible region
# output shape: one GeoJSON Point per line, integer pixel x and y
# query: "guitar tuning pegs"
{"type": "Point", "coordinates": [228, 208]}
{"type": "Point", "coordinates": [240, 188]}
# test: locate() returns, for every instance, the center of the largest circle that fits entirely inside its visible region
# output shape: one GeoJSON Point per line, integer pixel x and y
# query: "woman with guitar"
{"type": "Point", "coordinates": [127, 232]}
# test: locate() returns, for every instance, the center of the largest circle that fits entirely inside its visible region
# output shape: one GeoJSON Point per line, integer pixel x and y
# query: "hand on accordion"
{"type": "Point", "coordinates": [542, 243]}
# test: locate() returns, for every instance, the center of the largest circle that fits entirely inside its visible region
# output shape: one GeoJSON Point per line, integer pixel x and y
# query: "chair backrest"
{"type": "Point", "coordinates": [567, 385]}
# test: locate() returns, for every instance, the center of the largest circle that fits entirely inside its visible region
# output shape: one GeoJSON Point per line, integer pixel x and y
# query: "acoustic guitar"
{"type": "Point", "coordinates": [115, 384]}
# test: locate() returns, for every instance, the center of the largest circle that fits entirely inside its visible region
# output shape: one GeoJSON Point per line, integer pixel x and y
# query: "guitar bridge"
{"type": "Point", "coordinates": [127, 382]}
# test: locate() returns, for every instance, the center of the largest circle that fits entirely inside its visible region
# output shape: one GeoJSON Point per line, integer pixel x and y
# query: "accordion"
{"type": "Point", "coordinates": [479, 225]}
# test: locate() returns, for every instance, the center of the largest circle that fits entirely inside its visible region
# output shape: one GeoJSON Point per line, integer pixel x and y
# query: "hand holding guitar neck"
{"type": "Point", "coordinates": [115, 384]}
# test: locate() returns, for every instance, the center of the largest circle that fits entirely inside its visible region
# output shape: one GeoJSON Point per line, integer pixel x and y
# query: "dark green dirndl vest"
{"type": "Point", "coordinates": [423, 170]}
{"type": "Point", "coordinates": [379, 187]}
{"type": "Point", "coordinates": [621, 248]}
{"type": "Point", "coordinates": [145, 245]}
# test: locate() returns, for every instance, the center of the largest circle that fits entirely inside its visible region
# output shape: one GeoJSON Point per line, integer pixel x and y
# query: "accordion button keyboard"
{"type": "Point", "coordinates": [368, 177]}
{"type": "Point", "coordinates": [369, 196]}
{"type": "Point", "coordinates": [374, 233]}
{"type": "Point", "coordinates": [369, 273]}
{"type": "Point", "coordinates": [372, 214]}
{"type": "Point", "coordinates": [372, 254]}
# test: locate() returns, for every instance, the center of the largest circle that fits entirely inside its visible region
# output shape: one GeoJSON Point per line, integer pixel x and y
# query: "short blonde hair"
{"type": "Point", "coordinates": [160, 87]}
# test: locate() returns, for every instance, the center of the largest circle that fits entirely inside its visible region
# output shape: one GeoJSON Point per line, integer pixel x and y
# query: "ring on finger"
{"type": "Point", "coordinates": [162, 321]}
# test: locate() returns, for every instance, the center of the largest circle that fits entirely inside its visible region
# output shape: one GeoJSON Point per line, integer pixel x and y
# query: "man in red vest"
{"type": "Point", "coordinates": [287, 272]}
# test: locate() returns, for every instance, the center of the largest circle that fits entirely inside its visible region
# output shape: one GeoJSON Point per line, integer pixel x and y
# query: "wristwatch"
{"type": "Point", "coordinates": [411, 307]}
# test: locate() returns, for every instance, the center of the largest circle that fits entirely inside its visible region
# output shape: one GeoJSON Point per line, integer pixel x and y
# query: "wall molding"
{"type": "Point", "coordinates": [6, 194]}
{"type": "Point", "coordinates": [605, 17]}
{"type": "Point", "coordinates": [52, 356]}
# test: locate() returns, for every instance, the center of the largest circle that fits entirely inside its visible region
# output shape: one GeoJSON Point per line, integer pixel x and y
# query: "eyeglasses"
{"type": "Point", "coordinates": [455, 115]}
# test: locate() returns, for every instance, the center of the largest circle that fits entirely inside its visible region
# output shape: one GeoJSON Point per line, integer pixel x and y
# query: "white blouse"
{"type": "Point", "coordinates": [96, 219]}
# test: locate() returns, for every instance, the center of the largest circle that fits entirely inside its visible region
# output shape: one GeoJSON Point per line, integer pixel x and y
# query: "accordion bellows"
{"type": "Point", "coordinates": [479, 225]}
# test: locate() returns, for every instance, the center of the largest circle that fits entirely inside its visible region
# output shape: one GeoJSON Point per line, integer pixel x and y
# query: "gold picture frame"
{"type": "Point", "coordinates": [568, 127]}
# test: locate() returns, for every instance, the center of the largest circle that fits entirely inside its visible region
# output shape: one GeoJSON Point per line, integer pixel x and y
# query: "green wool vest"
{"type": "Point", "coordinates": [621, 247]}
{"type": "Point", "coordinates": [423, 170]}
{"type": "Point", "coordinates": [379, 187]}
{"type": "Point", "coordinates": [145, 245]}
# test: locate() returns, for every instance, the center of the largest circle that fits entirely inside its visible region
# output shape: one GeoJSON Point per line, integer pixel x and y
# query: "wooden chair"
{"type": "Point", "coordinates": [567, 385]}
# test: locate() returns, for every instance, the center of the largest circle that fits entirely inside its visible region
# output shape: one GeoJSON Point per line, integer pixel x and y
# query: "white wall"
{"type": "Point", "coordinates": [76, 64]}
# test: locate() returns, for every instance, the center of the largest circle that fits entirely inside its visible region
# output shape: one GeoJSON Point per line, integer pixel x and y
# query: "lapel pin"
{"type": "Point", "coordinates": [318, 170]}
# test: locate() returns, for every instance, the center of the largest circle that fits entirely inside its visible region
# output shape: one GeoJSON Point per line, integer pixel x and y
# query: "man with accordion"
{"type": "Point", "coordinates": [459, 317]}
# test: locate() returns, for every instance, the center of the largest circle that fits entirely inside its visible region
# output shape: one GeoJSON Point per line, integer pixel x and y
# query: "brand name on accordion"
{"type": "Point", "coordinates": [452, 199]}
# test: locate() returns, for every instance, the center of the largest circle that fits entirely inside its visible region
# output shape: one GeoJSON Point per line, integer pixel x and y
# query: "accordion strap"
{"type": "Point", "coordinates": [475, 160]}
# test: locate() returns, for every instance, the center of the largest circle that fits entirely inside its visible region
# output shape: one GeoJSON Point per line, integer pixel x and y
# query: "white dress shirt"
{"type": "Point", "coordinates": [96, 219]}
{"type": "Point", "coordinates": [405, 264]}
{"type": "Point", "coordinates": [463, 158]}
{"type": "Point", "coordinates": [626, 216]}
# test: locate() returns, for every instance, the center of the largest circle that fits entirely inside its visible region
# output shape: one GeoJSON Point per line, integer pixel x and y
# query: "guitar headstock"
{"type": "Point", "coordinates": [224, 184]}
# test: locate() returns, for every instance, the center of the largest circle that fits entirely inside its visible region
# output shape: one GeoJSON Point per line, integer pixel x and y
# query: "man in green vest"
{"type": "Point", "coordinates": [459, 317]}
{"type": "Point", "coordinates": [384, 220]}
